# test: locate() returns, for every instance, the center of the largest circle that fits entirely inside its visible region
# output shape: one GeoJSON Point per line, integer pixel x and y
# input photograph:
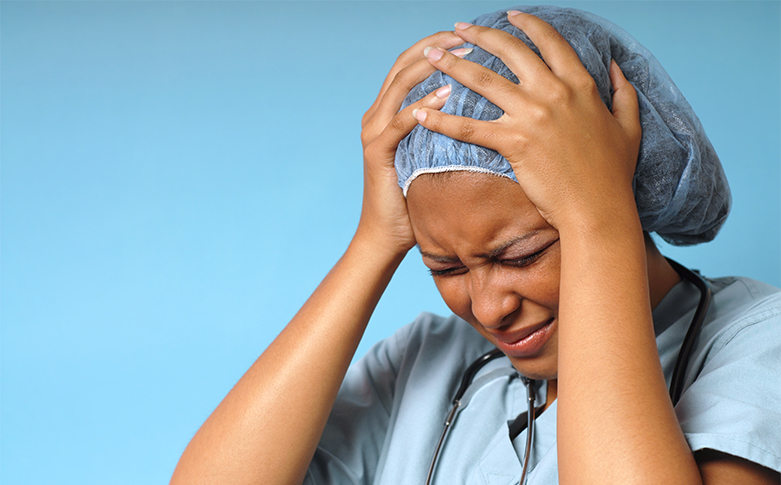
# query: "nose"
{"type": "Point", "coordinates": [493, 298]}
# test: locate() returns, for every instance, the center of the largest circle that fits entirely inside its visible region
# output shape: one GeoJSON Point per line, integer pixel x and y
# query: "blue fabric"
{"type": "Point", "coordinates": [681, 191]}
{"type": "Point", "coordinates": [389, 412]}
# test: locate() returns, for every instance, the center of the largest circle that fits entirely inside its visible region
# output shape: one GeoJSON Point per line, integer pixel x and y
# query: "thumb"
{"type": "Point", "coordinates": [625, 107]}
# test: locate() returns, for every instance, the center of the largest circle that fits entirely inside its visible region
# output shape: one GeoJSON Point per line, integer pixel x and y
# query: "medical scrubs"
{"type": "Point", "coordinates": [390, 410]}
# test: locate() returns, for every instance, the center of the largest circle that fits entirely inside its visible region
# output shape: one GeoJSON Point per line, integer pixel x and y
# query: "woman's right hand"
{"type": "Point", "coordinates": [384, 220]}
{"type": "Point", "coordinates": [240, 442]}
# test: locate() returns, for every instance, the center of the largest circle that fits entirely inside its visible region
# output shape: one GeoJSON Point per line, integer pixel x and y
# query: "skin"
{"type": "Point", "coordinates": [479, 234]}
{"type": "Point", "coordinates": [496, 261]}
{"type": "Point", "coordinates": [597, 275]}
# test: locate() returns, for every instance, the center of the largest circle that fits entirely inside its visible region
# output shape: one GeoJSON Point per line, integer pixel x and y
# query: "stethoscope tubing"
{"type": "Point", "coordinates": [530, 395]}
{"type": "Point", "coordinates": [687, 347]}
{"type": "Point", "coordinates": [466, 380]}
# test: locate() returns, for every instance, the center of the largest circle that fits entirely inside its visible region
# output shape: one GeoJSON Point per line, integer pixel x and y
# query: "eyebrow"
{"type": "Point", "coordinates": [494, 253]}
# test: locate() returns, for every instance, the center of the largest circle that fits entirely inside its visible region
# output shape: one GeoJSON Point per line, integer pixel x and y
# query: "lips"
{"type": "Point", "coordinates": [524, 342]}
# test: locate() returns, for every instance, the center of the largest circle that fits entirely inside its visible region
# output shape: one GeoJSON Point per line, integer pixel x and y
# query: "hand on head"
{"type": "Point", "coordinates": [384, 218]}
{"type": "Point", "coordinates": [574, 158]}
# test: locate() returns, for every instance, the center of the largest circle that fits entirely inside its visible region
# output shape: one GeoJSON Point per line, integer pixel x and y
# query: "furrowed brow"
{"type": "Point", "coordinates": [438, 258]}
{"type": "Point", "coordinates": [493, 254]}
{"type": "Point", "coordinates": [498, 251]}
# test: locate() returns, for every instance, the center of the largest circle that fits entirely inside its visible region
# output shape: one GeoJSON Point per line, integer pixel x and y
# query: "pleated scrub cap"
{"type": "Point", "coordinates": [680, 188]}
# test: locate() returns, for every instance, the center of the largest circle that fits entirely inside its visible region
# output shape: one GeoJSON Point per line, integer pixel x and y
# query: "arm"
{"type": "Point", "coordinates": [267, 428]}
{"type": "Point", "coordinates": [575, 161]}
{"type": "Point", "coordinates": [269, 424]}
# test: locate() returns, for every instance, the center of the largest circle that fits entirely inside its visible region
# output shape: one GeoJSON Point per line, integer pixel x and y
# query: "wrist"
{"type": "Point", "coordinates": [379, 241]}
{"type": "Point", "coordinates": [614, 217]}
{"type": "Point", "coordinates": [378, 251]}
{"type": "Point", "coordinates": [608, 240]}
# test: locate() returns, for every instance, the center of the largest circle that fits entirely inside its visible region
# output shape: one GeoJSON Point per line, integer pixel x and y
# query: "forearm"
{"type": "Point", "coordinates": [615, 420]}
{"type": "Point", "coordinates": [267, 428]}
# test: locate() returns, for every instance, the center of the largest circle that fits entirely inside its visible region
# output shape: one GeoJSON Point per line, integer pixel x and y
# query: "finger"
{"type": "Point", "coordinates": [403, 122]}
{"type": "Point", "coordinates": [469, 130]}
{"type": "Point", "coordinates": [446, 40]}
{"type": "Point", "coordinates": [401, 85]}
{"type": "Point", "coordinates": [625, 107]}
{"type": "Point", "coordinates": [514, 52]}
{"type": "Point", "coordinates": [393, 95]}
{"type": "Point", "coordinates": [555, 50]}
{"type": "Point", "coordinates": [494, 87]}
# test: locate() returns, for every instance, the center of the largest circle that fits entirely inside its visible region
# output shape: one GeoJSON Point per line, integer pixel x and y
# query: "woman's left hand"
{"type": "Point", "coordinates": [575, 161]}
{"type": "Point", "coordinates": [573, 157]}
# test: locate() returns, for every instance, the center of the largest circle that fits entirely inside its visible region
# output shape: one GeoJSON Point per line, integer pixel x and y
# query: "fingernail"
{"type": "Point", "coordinates": [462, 25]}
{"type": "Point", "coordinates": [513, 13]}
{"type": "Point", "coordinates": [419, 115]}
{"type": "Point", "coordinates": [432, 53]}
{"type": "Point", "coordinates": [442, 92]}
{"type": "Point", "coordinates": [462, 51]}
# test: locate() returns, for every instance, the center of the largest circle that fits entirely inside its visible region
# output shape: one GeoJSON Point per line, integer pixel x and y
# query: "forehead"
{"type": "Point", "coordinates": [467, 206]}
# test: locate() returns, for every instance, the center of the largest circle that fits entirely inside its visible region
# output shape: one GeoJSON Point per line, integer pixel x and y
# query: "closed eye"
{"type": "Point", "coordinates": [529, 259]}
{"type": "Point", "coordinates": [515, 262]}
{"type": "Point", "coordinates": [447, 271]}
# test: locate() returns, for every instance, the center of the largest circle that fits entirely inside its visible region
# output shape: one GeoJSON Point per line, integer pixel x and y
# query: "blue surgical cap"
{"type": "Point", "coordinates": [680, 188]}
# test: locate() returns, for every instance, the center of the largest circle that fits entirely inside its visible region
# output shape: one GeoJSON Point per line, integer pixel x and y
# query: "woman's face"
{"type": "Point", "coordinates": [495, 261]}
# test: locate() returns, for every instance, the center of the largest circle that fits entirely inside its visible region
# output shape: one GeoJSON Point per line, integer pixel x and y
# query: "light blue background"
{"type": "Point", "coordinates": [167, 201]}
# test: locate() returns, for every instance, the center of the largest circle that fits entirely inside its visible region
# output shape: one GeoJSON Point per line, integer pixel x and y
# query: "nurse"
{"type": "Point", "coordinates": [537, 242]}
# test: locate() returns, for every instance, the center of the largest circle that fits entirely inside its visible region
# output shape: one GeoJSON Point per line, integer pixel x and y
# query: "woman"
{"type": "Point", "coordinates": [548, 262]}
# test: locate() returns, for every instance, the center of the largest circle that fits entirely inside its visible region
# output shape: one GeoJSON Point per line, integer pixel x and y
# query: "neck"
{"type": "Point", "coordinates": [661, 276]}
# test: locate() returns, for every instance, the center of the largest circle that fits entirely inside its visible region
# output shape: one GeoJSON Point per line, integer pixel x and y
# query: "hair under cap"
{"type": "Point", "coordinates": [680, 188]}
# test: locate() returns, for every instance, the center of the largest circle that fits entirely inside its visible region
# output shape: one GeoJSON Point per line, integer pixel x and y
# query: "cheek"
{"type": "Point", "coordinates": [453, 292]}
{"type": "Point", "coordinates": [547, 293]}
{"type": "Point", "coordinates": [543, 283]}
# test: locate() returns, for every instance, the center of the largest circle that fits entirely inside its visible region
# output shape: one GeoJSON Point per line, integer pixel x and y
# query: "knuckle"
{"type": "Point", "coordinates": [560, 93]}
{"type": "Point", "coordinates": [401, 78]}
{"type": "Point", "coordinates": [372, 150]}
{"type": "Point", "coordinates": [366, 118]}
{"type": "Point", "coordinates": [436, 38]}
{"type": "Point", "coordinates": [366, 138]}
{"type": "Point", "coordinates": [442, 34]}
{"type": "Point", "coordinates": [428, 100]}
{"type": "Point", "coordinates": [493, 138]}
{"type": "Point", "coordinates": [404, 57]}
{"type": "Point", "coordinates": [467, 131]}
{"type": "Point", "coordinates": [585, 84]}
{"type": "Point", "coordinates": [520, 145]}
{"type": "Point", "coordinates": [448, 61]}
{"type": "Point", "coordinates": [549, 34]}
{"type": "Point", "coordinates": [539, 113]}
{"type": "Point", "coordinates": [483, 79]}
{"type": "Point", "coordinates": [509, 48]}
{"type": "Point", "coordinates": [396, 124]}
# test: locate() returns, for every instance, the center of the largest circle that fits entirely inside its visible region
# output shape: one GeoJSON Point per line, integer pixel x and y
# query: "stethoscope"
{"type": "Point", "coordinates": [676, 383]}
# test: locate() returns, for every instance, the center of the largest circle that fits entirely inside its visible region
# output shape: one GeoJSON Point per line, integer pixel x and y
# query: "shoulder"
{"type": "Point", "coordinates": [742, 293]}
{"type": "Point", "coordinates": [733, 404]}
{"type": "Point", "coordinates": [741, 328]}
{"type": "Point", "coordinates": [742, 305]}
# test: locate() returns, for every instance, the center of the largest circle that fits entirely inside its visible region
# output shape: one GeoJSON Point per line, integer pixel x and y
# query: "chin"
{"type": "Point", "coordinates": [536, 368]}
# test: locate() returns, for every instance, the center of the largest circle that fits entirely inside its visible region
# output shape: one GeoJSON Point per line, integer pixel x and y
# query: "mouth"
{"type": "Point", "coordinates": [524, 342]}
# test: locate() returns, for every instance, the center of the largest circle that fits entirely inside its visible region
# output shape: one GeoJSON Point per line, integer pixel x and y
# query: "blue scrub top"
{"type": "Point", "coordinates": [392, 405]}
